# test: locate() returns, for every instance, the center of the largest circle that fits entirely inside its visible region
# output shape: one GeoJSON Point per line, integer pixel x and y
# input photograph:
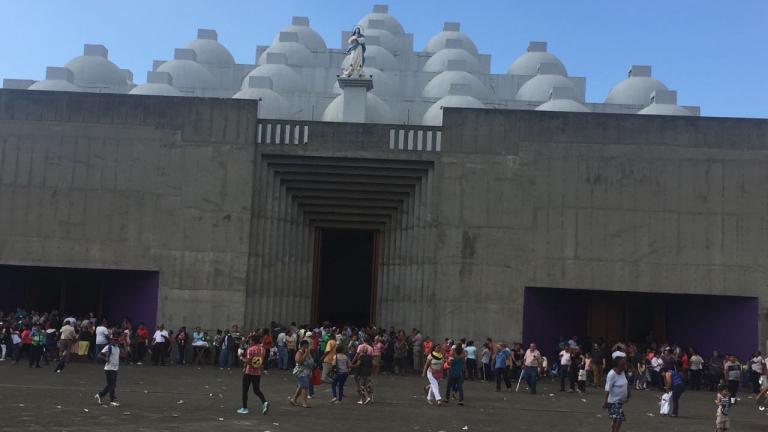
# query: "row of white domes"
{"type": "Point", "coordinates": [454, 58]}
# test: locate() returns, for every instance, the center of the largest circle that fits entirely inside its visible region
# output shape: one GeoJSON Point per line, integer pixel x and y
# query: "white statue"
{"type": "Point", "coordinates": [356, 53]}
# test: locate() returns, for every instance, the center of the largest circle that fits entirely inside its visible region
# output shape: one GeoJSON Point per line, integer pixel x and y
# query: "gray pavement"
{"type": "Point", "coordinates": [193, 399]}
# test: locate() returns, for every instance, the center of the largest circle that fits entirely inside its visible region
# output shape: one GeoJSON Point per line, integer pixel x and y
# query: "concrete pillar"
{"type": "Point", "coordinates": [355, 98]}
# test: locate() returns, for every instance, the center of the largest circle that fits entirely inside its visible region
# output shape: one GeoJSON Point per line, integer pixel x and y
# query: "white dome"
{"type": "Point", "coordinates": [211, 52]}
{"type": "Point", "coordinates": [271, 104]}
{"type": "Point", "coordinates": [528, 63]}
{"type": "Point", "coordinates": [562, 105]}
{"type": "Point", "coordinates": [155, 89]}
{"type": "Point", "coordinates": [295, 53]}
{"type": "Point", "coordinates": [91, 70]}
{"type": "Point", "coordinates": [383, 84]}
{"type": "Point", "coordinates": [307, 37]}
{"type": "Point", "coordinates": [438, 41]}
{"type": "Point", "coordinates": [665, 109]}
{"type": "Point", "coordinates": [434, 115]}
{"type": "Point", "coordinates": [382, 38]}
{"type": "Point", "coordinates": [188, 74]}
{"type": "Point", "coordinates": [384, 60]}
{"type": "Point", "coordinates": [389, 23]}
{"type": "Point", "coordinates": [54, 85]}
{"type": "Point", "coordinates": [439, 61]}
{"type": "Point", "coordinates": [440, 85]}
{"type": "Point", "coordinates": [284, 78]}
{"type": "Point", "coordinates": [538, 88]}
{"type": "Point", "coordinates": [376, 111]}
{"type": "Point", "coordinates": [635, 90]}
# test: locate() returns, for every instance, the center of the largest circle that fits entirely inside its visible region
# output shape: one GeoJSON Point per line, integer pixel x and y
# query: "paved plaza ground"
{"type": "Point", "coordinates": [204, 399]}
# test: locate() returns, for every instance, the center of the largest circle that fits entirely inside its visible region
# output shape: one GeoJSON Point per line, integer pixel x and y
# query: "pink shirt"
{"type": "Point", "coordinates": [377, 348]}
{"type": "Point", "coordinates": [365, 347]}
{"type": "Point", "coordinates": [532, 358]}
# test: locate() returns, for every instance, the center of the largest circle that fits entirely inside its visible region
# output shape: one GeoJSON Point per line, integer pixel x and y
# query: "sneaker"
{"type": "Point", "coordinates": [336, 402]}
{"type": "Point", "coordinates": [367, 401]}
{"type": "Point", "coordinates": [98, 398]}
{"type": "Point", "coordinates": [114, 404]}
{"type": "Point", "coordinates": [292, 401]}
{"type": "Point", "coordinates": [242, 411]}
{"type": "Point", "coordinates": [360, 402]}
{"type": "Point", "coordinates": [333, 400]}
{"type": "Point", "coordinates": [264, 408]}
{"type": "Point", "coordinates": [139, 363]}
{"type": "Point", "coordinates": [309, 396]}
{"type": "Point", "coordinates": [460, 403]}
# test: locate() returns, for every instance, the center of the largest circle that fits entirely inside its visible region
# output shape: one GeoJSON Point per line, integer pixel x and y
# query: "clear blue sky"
{"type": "Point", "coordinates": [714, 53]}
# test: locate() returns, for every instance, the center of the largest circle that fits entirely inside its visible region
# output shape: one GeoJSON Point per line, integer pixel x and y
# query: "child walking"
{"type": "Point", "coordinates": [641, 382]}
{"type": "Point", "coordinates": [581, 382]}
{"type": "Point", "coordinates": [110, 354]}
{"type": "Point", "coordinates": [723, 402]}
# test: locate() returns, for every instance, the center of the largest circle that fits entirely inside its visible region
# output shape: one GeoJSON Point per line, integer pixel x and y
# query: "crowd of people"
{"type": "Point", "coordinates": [328, 354]}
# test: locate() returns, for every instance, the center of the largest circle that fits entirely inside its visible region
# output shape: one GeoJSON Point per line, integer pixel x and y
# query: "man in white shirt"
{"type": "Point", "coordinates": [290, 345]}
{"type": "Point", "coordinates": [565, 368]}
{"type": "Point", "coordinates": [282, 351]}
{"type": "Point", "coordinates": [159, 345]}
{"type": "Point", "coordinates": [111, 355]}
{"type": "Point", "coordinates": [102, 338]}
{"type": "Point", "coordinates": [616, 391]}
{"type": "Point", "coordinates": [532, 362]}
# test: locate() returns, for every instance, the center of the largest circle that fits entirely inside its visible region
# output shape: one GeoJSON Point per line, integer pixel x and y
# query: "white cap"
{"type": "Point", "coordinates": [618, 354]}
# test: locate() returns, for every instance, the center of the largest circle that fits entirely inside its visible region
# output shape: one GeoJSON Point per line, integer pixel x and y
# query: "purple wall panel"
{"type": "Point", "coordinates": [11, 291]}
{"type": "Point", "coordinates": [727, 324]}
{"type": "Point", "coordinates": [134, 295]}
{"type": "Point", "coordinates": [549, 314]}
{"type": "Point", "coordinates": [126, 293]}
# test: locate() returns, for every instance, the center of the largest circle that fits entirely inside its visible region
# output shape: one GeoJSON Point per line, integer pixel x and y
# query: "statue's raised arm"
{"type": "Point", "coordinates": [356, 53]}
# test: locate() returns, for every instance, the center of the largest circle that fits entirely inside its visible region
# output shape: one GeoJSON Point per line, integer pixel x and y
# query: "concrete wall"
{"type": "Point", "coordinates": [595, 201]}
{"type": "Point", "coordinates": [190, 187]}
{"type": "Point", "coordinates": [132, 182]}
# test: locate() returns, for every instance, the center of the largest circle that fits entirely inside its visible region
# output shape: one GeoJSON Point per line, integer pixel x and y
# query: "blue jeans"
{"type": "Point", "coordinates": [677, 391]}
{"type": "Point", "coordinates": [226, 359]}
{"type": "Point", "coordinates": [455, 384]}
{"type": "Point", "coordinates": [338, 383]}
{"type": "Point", "coordinates": [565, 374]}
{"type": "Point", "coordinates": [282, 357]}
{"type": "Point", "coordinates": [531, 375]}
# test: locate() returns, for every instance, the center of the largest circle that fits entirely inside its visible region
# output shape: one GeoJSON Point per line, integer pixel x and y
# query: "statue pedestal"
{"type": "Point", "coordinates": [355, 97]}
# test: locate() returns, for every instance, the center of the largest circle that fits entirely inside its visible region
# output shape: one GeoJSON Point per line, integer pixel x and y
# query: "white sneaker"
{"type": "Point", "coordinates": [333, 400]}
{"type": "Point", "coordinates": [98, 398]}
{"type": "Point", "coordinates": [139, 363]}
{"type": "Point", "coordinates": [114, 404]}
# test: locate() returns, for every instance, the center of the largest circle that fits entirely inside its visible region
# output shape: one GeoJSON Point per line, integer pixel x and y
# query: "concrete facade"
{"type": "Point", "coordinates": [224, 206]}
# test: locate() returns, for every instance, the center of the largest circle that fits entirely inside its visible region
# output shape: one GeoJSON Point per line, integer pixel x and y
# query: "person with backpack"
{"type": "Point", "coordinates": [253, 363]}
{"type": "Point", "coordinates": [111, 355]}
{"type": "Point", "coordinates": [363, 365]}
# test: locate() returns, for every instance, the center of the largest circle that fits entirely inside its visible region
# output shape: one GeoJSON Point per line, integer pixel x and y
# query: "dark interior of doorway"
{"type": "Point", "coordinates": [345, 276]}
{"type": "Point", "coordinates": [114, 294]}
{"type": "Point", "coordinates": [704, 322]}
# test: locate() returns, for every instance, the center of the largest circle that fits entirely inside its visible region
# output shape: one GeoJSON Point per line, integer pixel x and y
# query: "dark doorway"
{"type": "Point", "coordinates": [345, 276]}
{"type": "Point", "coordinates": [704, 322]}
{"type": "Point", "coordinates": [114, 294]}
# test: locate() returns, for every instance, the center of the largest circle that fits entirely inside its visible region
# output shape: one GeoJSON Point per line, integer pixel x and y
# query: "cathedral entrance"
{"type": "Point", "coordinates": [345, 276]}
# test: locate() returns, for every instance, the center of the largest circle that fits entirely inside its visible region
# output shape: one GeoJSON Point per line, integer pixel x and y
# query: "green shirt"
{"type": "Point", "coordinates": [38, 338]}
